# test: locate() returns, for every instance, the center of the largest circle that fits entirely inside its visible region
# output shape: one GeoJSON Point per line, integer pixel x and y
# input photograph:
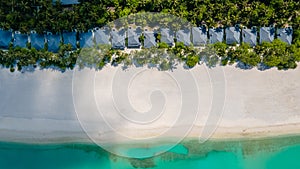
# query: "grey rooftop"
{"type": "Point", "coordinates": [86, 39]}
{"type": "Point", "coordinates": [102, 35]}
{"type": "Point", "coordinates": [133, 37]}
{"type": "Point", "coordinates": [70, 38]}
{"type": "Point", "coordinates": [20, 39]}
{"type": "Point", "coordinates": [250, 36]}
{"type": "Point", "coordinates": [149, 40]}
{"type": "Point", "coordinates": [66, 2]}
{"type": "Point", "coordinates": [5, 38]}
{"type": "Point", "coordinates": [233, 35]}
{"type": "Point", "coordinates": [53, 41]}
{"type": "Point", "coordinates": [199, 35]}
{"type": "Point", "coordinates": [167, 36]}
{"type": "Point", "coordinates": [37, 40]}
{"type": "Point", "coordinates": [118, 39]}
{"type": "Point", "coordinates": [184, 36]}
{"type": "Point", "coordinates": [216, 35]}
{"type": "Point", "coordinates": [266, 34]}
{"type": "Point", "coordinates": [285, 34]}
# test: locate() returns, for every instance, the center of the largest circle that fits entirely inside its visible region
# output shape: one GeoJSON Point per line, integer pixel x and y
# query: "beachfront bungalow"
{"type": "Point", "coordinates": [133, 37]}
{"type": "Point", "coordinates": [66, 2]}
{"type": "Point", "coordinates": [118, 39]}
{"type": "Point", "coordinates": [285, 34]}
{"type": "Point", "coordinates": [102, 36]}
{"type": "Point", "coordinates": [70, 38]}
{"type": "Point", "coordinates": [216, 35]}
{"type": "Point", "coordinates": [184, 36]}
{"type": "Point", "coordinates": [20, 39]}
{"type": "Point", "coordinates": [199, 35]}
{"type": "Point", "coordinates": [5, 38]}
{"type": "Point", "coordinates": [266, 34]}
{"type": "Point", "coordinates": [37, 40]}
{"type": "Point", "coordinates": [233, 35]}
{"type": "Point", "coordinates": [86, 39]}
{"type": "Point", "coordinates": [149, 39]}
{"type": "Point", "coordinates": [250, 36]}
{"type": "Point", "coordinates": [167, 36]}
{"type": "Point", "coordinates": [53, 41]}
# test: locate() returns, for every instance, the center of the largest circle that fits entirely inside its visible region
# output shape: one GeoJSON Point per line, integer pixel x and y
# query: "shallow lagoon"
{"type": "Point", "coordinates": [267, 153]}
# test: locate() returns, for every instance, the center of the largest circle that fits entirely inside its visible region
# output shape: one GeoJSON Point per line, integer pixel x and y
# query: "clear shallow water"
{"type": "Point", "coordinates": [271, 153]}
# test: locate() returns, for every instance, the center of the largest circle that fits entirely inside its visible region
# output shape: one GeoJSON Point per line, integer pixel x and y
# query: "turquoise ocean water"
{"type": "Point", "coordinates": [267, 153]}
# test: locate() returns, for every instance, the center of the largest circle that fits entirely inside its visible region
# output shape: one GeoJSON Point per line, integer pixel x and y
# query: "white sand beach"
{"type": "Point", "coordinates": [38, 106]}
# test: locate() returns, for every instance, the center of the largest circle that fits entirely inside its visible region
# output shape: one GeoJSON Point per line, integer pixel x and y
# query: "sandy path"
{"type": "Point", "coordinates": [38, 106]}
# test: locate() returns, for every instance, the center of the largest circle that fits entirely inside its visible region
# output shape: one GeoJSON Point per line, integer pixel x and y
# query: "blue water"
{"type": "Point", "coordinates": [271, 153]}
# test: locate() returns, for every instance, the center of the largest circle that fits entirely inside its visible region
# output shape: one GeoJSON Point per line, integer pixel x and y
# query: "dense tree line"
{"type": "Point", "coordinates": [267, 55]}
{"type": "Point", "coordinates": [23, 58]}
{"type": "Point", "coordinates": [43, 15]}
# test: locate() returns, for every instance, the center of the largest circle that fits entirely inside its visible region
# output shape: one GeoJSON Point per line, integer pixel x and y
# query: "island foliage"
{"type": "Point", "coordinates": [43, 15]}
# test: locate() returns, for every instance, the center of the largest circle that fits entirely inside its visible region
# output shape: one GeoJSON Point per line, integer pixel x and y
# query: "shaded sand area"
{"type": "Point", "coordinates": [38, 106]}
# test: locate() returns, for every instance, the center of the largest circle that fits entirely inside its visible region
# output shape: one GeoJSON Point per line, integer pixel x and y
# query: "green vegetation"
{"type": "Point", "coordinates": [42, 15]}
{"type": "Point", "coordinates": [24, 57]}
{"type": "Point", "coordinates": [276, 54]}
{"type": "Point", "coordinates": [162, 45]}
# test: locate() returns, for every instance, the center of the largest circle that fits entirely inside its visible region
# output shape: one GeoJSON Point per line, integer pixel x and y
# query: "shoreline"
{"type": "Point", "coordinates": [222, 135]}
{"type": "Point", "coordinates": [247, 146]}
